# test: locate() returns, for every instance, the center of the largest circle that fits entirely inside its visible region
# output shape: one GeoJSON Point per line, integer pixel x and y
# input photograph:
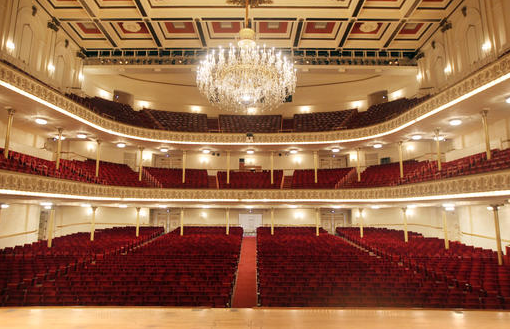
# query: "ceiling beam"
{"type": "Point", "coordinates": [346, 33]}
{"type": "Point", "coordinates": [299, 31]}
{"type": "Point", "coordinates": [200, 31]}
{"type": "Point", "coordinates": [394, 34]}
{"type": "Point", "coordinates": [153, 32]}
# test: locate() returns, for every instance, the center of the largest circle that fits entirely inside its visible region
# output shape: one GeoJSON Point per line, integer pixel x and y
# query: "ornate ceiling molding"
{"type": "Point", "coordinates": [486, 77]}
{"type": "Point", "coordinates": [496, 184]}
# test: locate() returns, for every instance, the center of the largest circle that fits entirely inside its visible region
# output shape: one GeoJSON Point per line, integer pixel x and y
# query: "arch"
{"type": "Point", "coordinates": [25, 48]}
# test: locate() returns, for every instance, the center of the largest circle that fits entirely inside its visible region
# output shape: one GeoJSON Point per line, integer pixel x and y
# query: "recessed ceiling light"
{"type": "Point", "coordinates": [375, 207]}
{"type": "Point", "coordinates": [41, 121]}
{"type": "Point", "coordinates": [85, 205]}
{"type": "Point", "coordinates": [122, 206]}
{"type": "Point", "coordinates": [81, 136]}
{"type": "Point", "coordinates": [448, 205]}
{"type": "Point", "coordinates": [377, 146]}
{"type": "Point", "coordinates": [455, 122]}
{"type": "Point", "coordinates": [46, 203]}
{"type": "Point", "coordinates": [416, 137]}
{"type": "Point", "coordinates": [47, 207]}
{"type": "Point", "coordinates": [292, 206]}
{"type": "Point", "coordinates": [411, 206]}
{"type": "Point", "coordinates": [163, 149]}
{"type": "Point", "coordinates": [121, 145]}
{"type": "Point", "coordinates": [162, 206]}
{"type": "Point", "coordinates": [250, 152]}
{"type": "Point", "coordinates": [4, 206]}
{"type": "Point", "coordinates": [335, 150]}
{"type": "Point", "coordinates": [206, 151]}
{"type": "Point", "coordinates": [293, 151]}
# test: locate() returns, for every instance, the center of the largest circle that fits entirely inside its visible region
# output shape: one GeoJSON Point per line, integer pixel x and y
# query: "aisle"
{"type": "Point", "coordinates": [245, 294]}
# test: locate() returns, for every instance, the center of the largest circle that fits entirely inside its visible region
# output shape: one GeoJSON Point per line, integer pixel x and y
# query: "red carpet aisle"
{"type": "Point", "coordinates": [245, 294]}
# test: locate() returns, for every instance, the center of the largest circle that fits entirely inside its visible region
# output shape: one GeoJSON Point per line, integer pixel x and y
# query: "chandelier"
{"type": "Point", "coordinates": [239, 79]}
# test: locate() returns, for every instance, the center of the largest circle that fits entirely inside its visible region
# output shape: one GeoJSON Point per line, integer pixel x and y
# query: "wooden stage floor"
{"type": "Point", "coordinates": [159, 317]}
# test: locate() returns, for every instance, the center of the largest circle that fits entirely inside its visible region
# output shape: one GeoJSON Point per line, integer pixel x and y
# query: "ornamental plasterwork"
{"type": "Point", "coordinates": [496, 181]}
{"type": "Point", "coordinates": [487, 74]}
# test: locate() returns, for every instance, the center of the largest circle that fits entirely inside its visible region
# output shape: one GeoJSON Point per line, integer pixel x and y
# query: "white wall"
{"type": "Point", "coordinates": [38, 50]}
{"type": "Point", "coordinates": [15, 223]}
{"type": "Point", "coordinates": [478, 36]}
{"type": "Point", "coordinates": [72, 219]}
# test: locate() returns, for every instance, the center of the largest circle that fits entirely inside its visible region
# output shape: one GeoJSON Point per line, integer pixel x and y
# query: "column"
{"type": "Point", "coordinates": [97, 157]}
{"type": "Point", "coordinates": [360, 214]}
{"type": "Point", "coordinates": [445, 229]}
{"type": "Point", "coordinates": [486, 132]}
{"type": "Point", "coordinates": [50, 226]}
{"type": "Point", "coordinates": [8, 131]}
{"type": "Point", "coordinates": [358, 164]}
{"type": "Point", "coordinates": [227, 217]}
{"type": "Point", "coordinates": [93, 224]}
{"type": "Point", "coordinates": [140, 167]}
{"type": "Point", "coordinates": [228, 167]}
{"type": "Point", "coordinates": [137, 221]}
{"type": "Point", "coordinates": [404, 215]}
{"type": "Point", "coordinates": [167, 226]}
{"type": "Point", "coordinates": [182, 221]}
{"type": "Point", "coordinates": [183, 167]}
{"type": "Point", "coordinates": [315, 165]}
{"type": "Point", "coordinates": [438, 149]}
{"type": "Point", "coordinates": [317, 221]}
{"type": "Point", "coordinates": [498, 233]}
{"type": "Point", "coordinates": [59, 147]}
{"type": "Point", "coordinates": [400, 159]}
{"type": "Point", "coordinates": [272, 167]}
{"type": "Point", "coordinates": [272, 221]}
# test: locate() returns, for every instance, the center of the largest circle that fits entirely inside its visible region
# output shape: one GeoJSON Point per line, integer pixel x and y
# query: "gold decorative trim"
{"type": "Point", "coordinates": [483, 236]}
{"type": "Point", "coordinates": [478, 81]}
{"type": "Point", "coordinates": [17, 234]}
{"type": "Point", "coordinates": [472, 186]}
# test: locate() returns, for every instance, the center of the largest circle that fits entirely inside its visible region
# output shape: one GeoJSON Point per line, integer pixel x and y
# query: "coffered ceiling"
{"type": "Point", "coordinates": [318, 24]}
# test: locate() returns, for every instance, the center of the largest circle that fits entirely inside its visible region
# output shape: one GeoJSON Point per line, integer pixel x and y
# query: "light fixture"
{"type": "Point", "coordinates": [250, 152]}
{"type": "Point", "coordinates": [85, 205]}
{"type": "Point", "coordinates": [293, 151]}
{"type": "Point", "coordinates": [377, 145]}
{"type": "Point", "coordinates": [121, 145]}
{"type": "Point", "coordinates": [80, 76]}
{"type": "Point", "coordinates": [122, 206]}
{"type": "Point", "coordinates": [47, 207]}
{"type": "Point", "coordinates": [411, 206]}
{"type": "Point", "coordinates": [10, 45]}
{"type": "Point", "coordinates": [507, 100]}
{"type": "Point", "coordinates": [4, 206]}
{"type": "Point", "coordinates": [375, 207]}
{"type": "Point", "coordinates": [245, 76]}
{"type": "Point", "coordinates": [439, 138]}
{"type": "Point", "coordinates": [51, 67]}
{"type": "Point", "coordinates": [46, 203]}
{"type": "Point", "coordinates": [335, 150]}
{"type": "Point", "coordinates": [448, 69]}
{"type": "Point", "coordinates": [58, 137]}
{"type": "Point", "coordinates": [486, 46]}
{"type": "Point", "coordinates": [419, 76]}
{"type": "Point", "coordinates": [293, 206]}
{"type": "Point", "coordinates": [162, 206]}
{"type": "Point", "coordinates": [163, 149]}
{"type": "Point", "coordinates": [449, 206]}
{"type": "Point", "coordinates": [455, 122]}
{"type": "Point", "coordinates": [206, 151]}
{"type": "Point", "coordinates": [489, 208]}
{"type": "Point", "coordinates": [416, 137]}
{"type": "Point", "coordinates": [252, 110]}
{"type": "Point", "coordinates": [41, 121]}
{"type": "Point", "coordinates": [81, 136]}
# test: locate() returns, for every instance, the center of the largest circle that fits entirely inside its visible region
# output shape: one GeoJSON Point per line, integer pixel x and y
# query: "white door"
{"type": "Point", "coordinates": [250, 222]}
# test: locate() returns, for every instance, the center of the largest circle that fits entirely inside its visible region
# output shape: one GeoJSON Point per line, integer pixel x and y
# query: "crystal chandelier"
{"type": "Point", "coordinates": [247, 76]}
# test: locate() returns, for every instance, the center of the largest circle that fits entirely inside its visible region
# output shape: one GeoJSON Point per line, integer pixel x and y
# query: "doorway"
{"type": "Point", "coordinates": [249, 223]}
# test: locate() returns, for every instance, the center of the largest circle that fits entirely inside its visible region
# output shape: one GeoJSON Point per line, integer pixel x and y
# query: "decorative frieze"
{"type": "Point", "coordinates": [34, 185]}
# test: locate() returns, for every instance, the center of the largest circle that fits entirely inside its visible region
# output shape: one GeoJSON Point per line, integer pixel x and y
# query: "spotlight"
{"type": "Point", "coordinates": [41, 121]}
{"type": "Point", "coordinates": [455, 122]}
